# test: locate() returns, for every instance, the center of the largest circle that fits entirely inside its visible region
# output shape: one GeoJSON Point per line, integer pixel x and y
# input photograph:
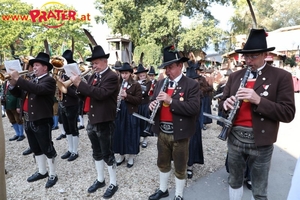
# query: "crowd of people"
{"type": "Point", "coordinates": [175, 102]}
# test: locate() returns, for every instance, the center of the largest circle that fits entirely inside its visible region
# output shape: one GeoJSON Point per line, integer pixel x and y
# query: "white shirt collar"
{"type": "Point", "coordinates": [177, 79]}
{"type": "Point", "coordinates": [100, 73]}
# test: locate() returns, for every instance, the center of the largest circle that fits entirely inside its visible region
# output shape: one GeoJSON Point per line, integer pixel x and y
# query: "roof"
{"type": "Point", "coordinates": [214, 57]}
{"type": "Point", "coordinates": [284, 39]}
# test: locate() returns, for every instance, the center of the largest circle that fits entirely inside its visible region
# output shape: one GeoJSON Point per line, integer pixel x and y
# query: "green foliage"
{"type": "Point", "coordinates": [158, 22]}
{"type": "Point", "coordinates": [270, 14]}
{"type": "Point", "coordinates": [153, 53]}
{"type": "Point", "coordinates": [24, 35]}
{"type": "Point", "coordinates": [200, 36]}
{"type": "Point", "coordinates": [291, 61]}
{"type": "Point", "coordinates": [13, 32]}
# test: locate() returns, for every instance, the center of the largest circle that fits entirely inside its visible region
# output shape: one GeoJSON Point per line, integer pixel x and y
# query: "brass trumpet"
{"type": "Point", "coordinates": [4, 77]}
{"type": "Point", "coordinates": [58, 63]}
{"type": "Point", "coordinates": [62, 86]}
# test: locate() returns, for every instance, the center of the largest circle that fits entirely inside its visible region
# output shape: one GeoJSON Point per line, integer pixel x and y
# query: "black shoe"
{"type": "Point", "coordinates": [144, 144]}
{"type": "Point", "coordinates": [96, 185]}
{"type": "Point", "coordinates": [80, 127]}
{"type": "Point", "coordinates": [61, 137]}
{"type": "Point", "coordinates": [110, 191]}
{"type": "Point", "coordinates": [120, 163]}
{"type": "Point", "coordinates": [37, 176]}
{"type": "Point", "coordinates": [248, 184]}
{"type": "Point", "coordinates": [21, 138]}
{"type": "Point", "coordinates": [178, 198]}
{"type": "Point", "coordinates": [55, 128]}
{"type": "Point", "coordinates": [66, 155]}
{"type": "Point", "coordinates": [159, 194]}
{"type": "Point", "coordinates": [73, 156]}
{"type": "Point", "coordinates": [189, 173]}
{"type": "Point", "coordinates": [27, 151]}
{"type": "Point", "coordinates": [129, 165]}
{"type": "Point", "coordinates": [14, 138]}
{"type": "Point", "coordinates": [51, 181]}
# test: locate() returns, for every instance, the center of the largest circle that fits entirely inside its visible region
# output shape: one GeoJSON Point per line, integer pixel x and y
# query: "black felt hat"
{"type": "Point", "coordinates": [98, 52]}
{"type": "Point", "coordinates": [126, 67]}
{"type": "Point", "coordinates": [170, 56]}
{"type": "Point", "coordinates": [68, 55]}
{"type": "Point", "coordinates": [141, 69]}
{"type": "Point", "coordinates": [256, 42]}
{"type": "Point", "coordinates": [117, 65]}
{"type": "Point", "coordinates": [152, 71]}
{"type": "Point", "coordinates": [191, 73]}
{"type": "Point", "coordinates": [43, 58]}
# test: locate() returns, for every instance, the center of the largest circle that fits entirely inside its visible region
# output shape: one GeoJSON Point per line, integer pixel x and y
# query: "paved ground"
{"type": "Point", "coordinates": [285, 155]}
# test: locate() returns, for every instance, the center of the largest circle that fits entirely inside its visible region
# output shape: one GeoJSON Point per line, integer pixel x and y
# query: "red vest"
{"type": "Point", "coordinates": [87, 101]}
{"type": "Point", "coordinates": [25, 104]}
{"type": "Point", "coordinates": [244, 117]}
{"type": "Point", "coordinates": [165, 113]}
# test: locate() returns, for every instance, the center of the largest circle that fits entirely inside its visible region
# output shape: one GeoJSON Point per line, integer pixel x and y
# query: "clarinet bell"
{"type": "Point", "coordinates": [148, 130]}
{"type": "Point", "coordinates": [223, 134]}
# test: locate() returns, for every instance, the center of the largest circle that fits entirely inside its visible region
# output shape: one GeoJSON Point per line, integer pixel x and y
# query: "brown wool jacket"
{"type": "Point", "coordinates": [134, 97]}
{"type": "Point", "coordinates": [40, 96]}
{"type": "Point", "coordinates": [275, 86]}
{"type": "Point", "coordinates": [184, 111]}
{"type": "Point", "coordinates": [103, 94]}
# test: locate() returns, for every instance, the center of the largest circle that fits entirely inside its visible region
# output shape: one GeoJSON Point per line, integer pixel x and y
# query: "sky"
{"type": "Point", "coordinates": [100, 32]}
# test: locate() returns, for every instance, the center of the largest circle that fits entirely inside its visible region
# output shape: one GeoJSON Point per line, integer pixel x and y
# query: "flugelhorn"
{"type": "Point", "coordinates": [4, 77]}
{"type": "Point", "coordinates": [62, 86]}
{"type": "Point", "coordinates": [58, 63]}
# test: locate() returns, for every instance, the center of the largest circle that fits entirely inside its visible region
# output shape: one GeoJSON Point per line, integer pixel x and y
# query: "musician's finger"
{"type": "Point", "coordinates": [74, 74]}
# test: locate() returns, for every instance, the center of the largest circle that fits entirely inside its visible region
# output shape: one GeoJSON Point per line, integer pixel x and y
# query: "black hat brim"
{"type": "Point", "coordinates": [71, 61]}
{"type": "Point", "coordinates": [49, 65]}
{"type": "Point", "coordinates": [96, 57]}
{"type": "Point", "coordinates": [124, 70]}
{"type": "Point", "coordinates": [254, 50]}
{"type": "Point", "coordinates": [183, 59]}
{"type": "Point", "coordinates": [146, 70]}
{"type": "Point", "coordinates": [115, 68]}
{"type": "Point", "coordinates": [155, 74]}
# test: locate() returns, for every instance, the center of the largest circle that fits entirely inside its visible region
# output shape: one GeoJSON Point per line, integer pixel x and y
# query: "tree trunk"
{"type": "Point", "coordinates": [252, 14]}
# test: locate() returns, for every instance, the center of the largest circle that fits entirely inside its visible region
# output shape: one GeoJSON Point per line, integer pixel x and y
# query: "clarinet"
{"type": "Point", "coordinates": [227, 126]}
{"type": "Point", "coordinates": [154, 111]}
{"type": "Point", "coordinates": [119, 95]}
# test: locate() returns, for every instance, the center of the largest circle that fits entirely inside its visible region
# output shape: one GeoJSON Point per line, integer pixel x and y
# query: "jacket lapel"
{"type": "Point", "coordinates": [178, 87]}
{"type": "Point", "coordinates": [262, 77]}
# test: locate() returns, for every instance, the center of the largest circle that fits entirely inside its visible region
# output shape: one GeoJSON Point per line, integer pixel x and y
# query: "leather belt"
{"type": "Point", "coordinates": [166, 127]}
{"type": "Point", "coordinates": [243, 134]}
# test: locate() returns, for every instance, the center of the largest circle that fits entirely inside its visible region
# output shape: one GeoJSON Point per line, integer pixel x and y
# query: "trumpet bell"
{"type": "Point", "coordinates": [63, 86]}
{"type": "Point", "coordinates": [4, 77]}
{"type": "Point", "coordinates": [58, 62]}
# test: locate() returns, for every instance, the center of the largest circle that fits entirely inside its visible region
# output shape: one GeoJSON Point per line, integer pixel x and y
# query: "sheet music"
{"type": "Point", "coordinates": [12, 64]}
{"type": "Point", "coordinates": [72, 68]}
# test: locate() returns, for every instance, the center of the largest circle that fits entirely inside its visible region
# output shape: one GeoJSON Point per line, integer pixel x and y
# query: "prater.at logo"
{"type": "Point", "coordinates": [55, 18]}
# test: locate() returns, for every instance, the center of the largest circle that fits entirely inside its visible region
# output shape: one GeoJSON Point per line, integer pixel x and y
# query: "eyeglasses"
{"type": "Point", "coordinates": [250, 57]}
